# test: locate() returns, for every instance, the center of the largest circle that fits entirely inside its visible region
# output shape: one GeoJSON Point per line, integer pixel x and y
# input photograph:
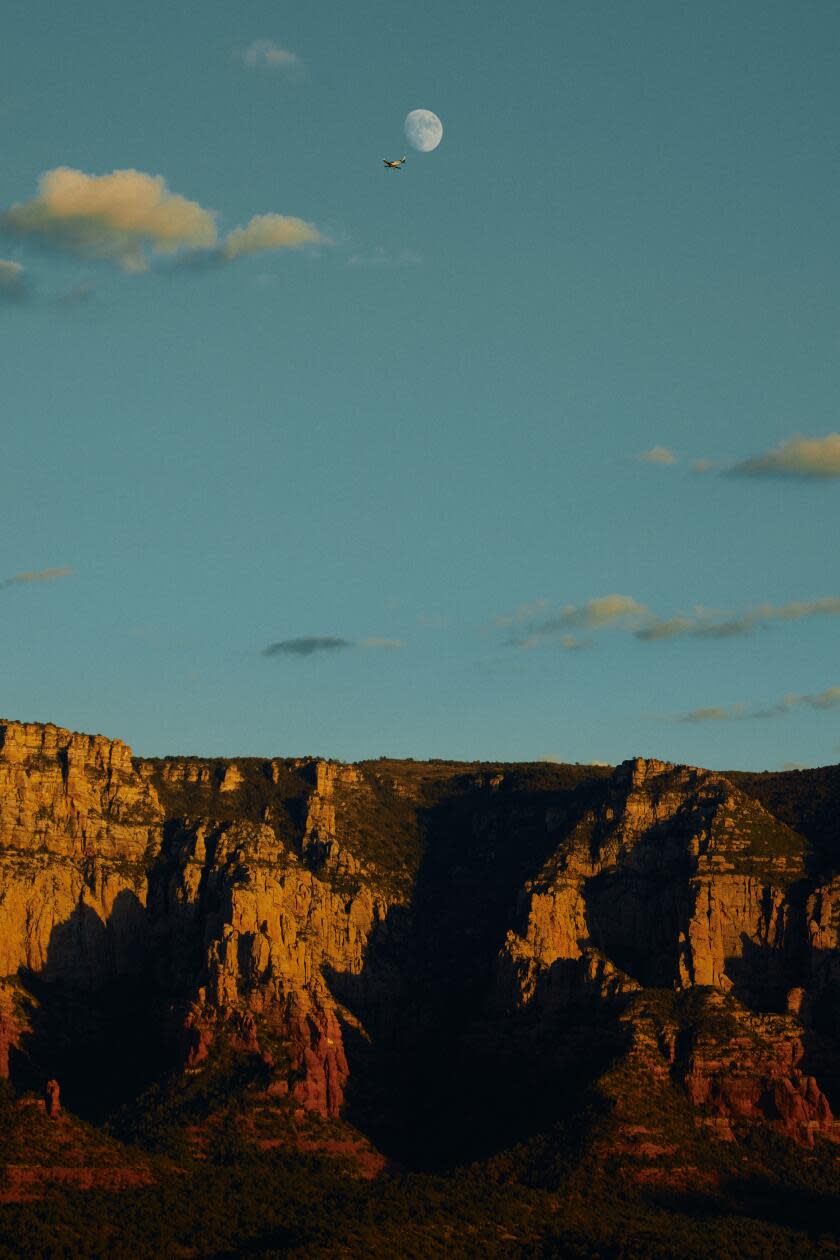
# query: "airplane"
{"type": "Point", "coordinates": [394, 166]}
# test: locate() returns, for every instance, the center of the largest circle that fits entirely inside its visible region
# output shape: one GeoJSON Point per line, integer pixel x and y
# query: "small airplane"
{"type": "Point", "coordinates": [394, 166]}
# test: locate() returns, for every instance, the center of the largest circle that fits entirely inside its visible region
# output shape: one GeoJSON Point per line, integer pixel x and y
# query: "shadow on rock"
{"type": "Point", "coordinates": [437, 1076]}
{"type": "Point", "coordinates": [96, 1022]}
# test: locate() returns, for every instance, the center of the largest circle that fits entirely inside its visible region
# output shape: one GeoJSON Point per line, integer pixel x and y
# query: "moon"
{"type": "Point", "coordinates": [423, 129]}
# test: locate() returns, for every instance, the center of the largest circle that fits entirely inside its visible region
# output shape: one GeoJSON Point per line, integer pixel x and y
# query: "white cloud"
{"type": "Point", "coordinates": [658, 455]}
{"type": "Point", "coordinates": [269, 232]}
{"type": "Point", "coordinates": [798, 457]}
{"type": "Point", "coordinates": [264, 52]}
{"type": "Point", "coordinates": [116, 216]}
{"type": "Point", "coordinates": [124, 215]}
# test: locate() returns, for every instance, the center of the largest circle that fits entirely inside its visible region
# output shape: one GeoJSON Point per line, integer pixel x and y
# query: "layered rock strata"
{"type": "Point", "coordinates": [290, 909]}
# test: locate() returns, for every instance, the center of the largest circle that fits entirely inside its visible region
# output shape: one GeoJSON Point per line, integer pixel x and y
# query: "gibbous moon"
{"type": "Point", "coordinates": [423, 129]}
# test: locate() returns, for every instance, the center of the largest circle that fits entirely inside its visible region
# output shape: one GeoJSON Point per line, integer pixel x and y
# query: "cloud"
{"type": "Point", "coordinates": [268, 232]}
{"type": "Point", "coordinates": [713, 714]}
{"type": "Point", "coordinates": [12, 283]}
{"type": "Point", "coordinates": [706, 626]}
{"type": "Point", "coordinates": [821, 700]}
{"type": "Point", "coordinates": [658, 455]}
{"type": "Point", "coordinates": [828, 699]}
{"type": "Point", "coordinates": [124, 216]}
{"type": "Point", "coordinates": [603, 611]}
{"type": "Point", "coordinates": [309, 645]}
{"type": "Point", "coordinates": [525, 612]}
{"type": "Point", "coordinates": [116, 216]}
{"type": "Point", "coordinates": [798, 457]}
{"type": "Point", "coordinates": [41, 575]}
{"type": "Point", "coordinates": [702, 465]}
{"type": "Point", "coordinates": [79, 294]}
{"type": "Point", "coordinates": [380, 257]}
{"type": "Point", "coordinates": [667, 629]}
{"type": "Point", "coordinates": [625, 613]}
{"type": "Point", "coordinates": [264, 52]}
{"type": "Point", "coordinates": [568, 642]}
{"type": "Point", "coordinates": [595, 614]}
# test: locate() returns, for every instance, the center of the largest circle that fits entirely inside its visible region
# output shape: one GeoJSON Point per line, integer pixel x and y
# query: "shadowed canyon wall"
{"type": "Point", "coordinates": [409, 943]}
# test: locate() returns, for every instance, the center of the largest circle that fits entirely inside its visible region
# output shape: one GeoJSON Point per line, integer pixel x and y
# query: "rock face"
{"type": "Point", "coordinates": [97, 884]}
{"type": "Point", "coordinates": [676, 879]}
{"type": "Point", "coordinates": [52, 1099]}
{"type": "Point", "coordinates": [321, 920]}
{"type": "Point", "coordinates": [77, 825]}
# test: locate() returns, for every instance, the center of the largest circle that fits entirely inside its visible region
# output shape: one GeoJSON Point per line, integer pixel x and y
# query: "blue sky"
{"type": "Point", "coordinates": [404, 441]}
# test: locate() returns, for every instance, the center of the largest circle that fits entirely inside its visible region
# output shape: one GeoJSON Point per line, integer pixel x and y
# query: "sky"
{"type": "Point", "coordinates": [528, 450]}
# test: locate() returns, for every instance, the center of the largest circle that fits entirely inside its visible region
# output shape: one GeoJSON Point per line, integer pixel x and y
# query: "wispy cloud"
{"type": "Point", "coordinates": [828, 699]}
{"type": "Point", "coordinates": [12, 282]}
{"type": "Point", "coordinates": [702, 465]}
{"type": "Point", "coordinates": [77, 295]}
{"type": "Point", "coordinates": [128, 215]}
{"type": "Point", "coordinates": [535, 624]}
{"type": "Point", "coordinates": [603, 611]}
{"type": "Point", "coordinates": [821, 700]}
{"type": "Point", "coordinates": [525, 612]}
{"type": "Point", "coordinates": [658, 455]}
{"type": "Point", "coordinates": [715, 713]}
{"type": "Point", "coordinates": [817, 457]}
{"type": "Point", "coordinates": [705, 625]}
{"type": "Point", "coordinates": [40, 575]}
{"type": "Point", "coordinates": [380, 257]}
{"type": "Point", "coordinates": [311, 645]}
{"type": "Point", "coordinates": [595, 614]}
{"type": "Point", "coordinates": [264, 52]}
{"type": "Point", "coordinates": [568, 642]}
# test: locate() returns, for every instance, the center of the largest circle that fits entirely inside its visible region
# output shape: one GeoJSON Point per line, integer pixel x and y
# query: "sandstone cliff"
{"type": "Point", "coordinates": [339, 925]}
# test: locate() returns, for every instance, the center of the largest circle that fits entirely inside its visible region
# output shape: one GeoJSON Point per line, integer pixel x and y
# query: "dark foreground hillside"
{"type": "Point", "coordinates": [293, 1007]}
